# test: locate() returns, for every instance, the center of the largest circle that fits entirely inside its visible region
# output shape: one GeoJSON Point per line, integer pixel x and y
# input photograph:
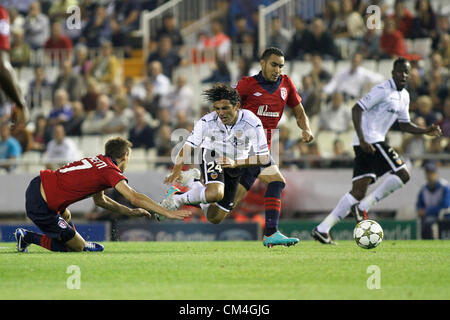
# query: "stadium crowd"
{"type": "Point", "coordinates": [89, 94]}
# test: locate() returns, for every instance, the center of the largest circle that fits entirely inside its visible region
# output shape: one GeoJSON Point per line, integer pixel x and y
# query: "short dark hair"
{"type": "Point", "coordinates": [400, 60]}
{"type": "Point", "coordinates": [117, 147]}
{"type": "Point", "coordinates": [270, 51]}
{"type": "Point", "coordinates": [222, 91]}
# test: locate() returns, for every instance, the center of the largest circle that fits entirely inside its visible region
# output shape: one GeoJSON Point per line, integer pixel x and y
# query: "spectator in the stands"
{"type": "Point", "coordinates": [424, 23]}
{"type": "Point", "coordinates": [219, 42]}
{"type": "Point", "coordinates": [89, 100]}
{"type": "Point", "coordinates": [349, 23]}
{"type": "Point", "coordinates": [438, 85]}
{"type": "Point", "coordinates": [151, 99]}
{"type": "Point", "coordinates": [180, 97]}
{"type": "Point", "coordinates": [311, 96]}
{"type": "Point", "coordinates": [106, 67]}
{"type": "Point", "coordinates": [120, 123]}
{"type": "Point", "coordinates": [16, 20]}
{"type": "Point", "coordinates": [244, 67]}
{"type": "Point", "coordinates": [39, 90]}
{"type": "Point", "coordinates": [170, 29]}
{"type": "Point", "coordinates": [295, 49]}
{"type": "Point", "coordinates": [320, 41]}
{"type": "Point", "coordinates": [279, 37]}
{"type": "Point", "coordinates": [343, 157]}
{"type": "Point", "coordinates": [60, 150]}
{"type": "Point", "coordinates": [219, 72]}
{"type": "Point", "coordinates": [164, 117]}
{"type": "Point", "coordinates": [124, 20]}
{"type": "Point", "coordinates": [425, 110]}
{"type": "Point", "coordinates": [444, 49]}
{"type": "Point", "coordinates": [161, 83]}
{"type": "Point", "coordinates": [319, 75]}
{"type": "Point", "coordinates": [73, 126]}
{"type": "Point", "coordinates": [335, 116]}
{"type": "Point", "coordinates": [392, 43]}
{"type": "Point", "coordinates": [417, 87]}
{"type": "Point", "coordinates": [403, 18]}
{"type": "Point", "coordinates": [165, 54]}
{"type": "Point", "coordinates": [20, 52]}
{"type": "Point", "coordinates": [97, 29]}
{"type": "Point", "coordinates": [58, 46]}
{"type": "Point", "coordinates": [98, 119]}
{"type": "Point", "coordinates": [163, 141]}
{"type": "Point", "coordinates": [369, 44]}
{"type": "Point", "coordinates": [353, 80]}
{"type": "Point", "coordinates": [10, 148]}
{"type": "Point", "coordinates": [445, 122]}
{"type": "Point", "coordinates": [36, 26]}
{"type": "Point", "coordinates": [82, 65]}
{"type": "Point", "coordinates": [41, 134]}
{"type": "Point", "coordinates": [58, 9]}
{"type": "Point", "coordinates": [141, 135]}
{"type": "Point", "coordinates": [62, 111]}
{"type": "Point", "coordinates": [442, 29]}
{"type": "Point", "coordinates": [433, 198]}
{"type": "Point", "coordinates": [70, 81]}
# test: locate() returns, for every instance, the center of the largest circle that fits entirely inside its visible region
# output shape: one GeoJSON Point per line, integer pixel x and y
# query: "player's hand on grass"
{"type": "Point", "coordinates": [139, 212]}
{"type": "Point", "coordinates": [179, 214]}
{"type": "Point", "coordinates": [225, 162]}
{"type": "Point", "coordinates": [307, 136]}
{"type": "Point", "coordinates": [434, 130]}
{"type": "Point", "coordinates": [367, 147]}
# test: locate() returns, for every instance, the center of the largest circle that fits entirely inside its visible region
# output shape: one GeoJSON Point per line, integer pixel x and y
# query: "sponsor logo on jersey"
{"type": "Point", "coordinates": [214, 175]}
{"type": "Point", "coordinates": [262, 111]}
{"type": "Point", "coordinates": [257, 94]}
{"type": "Point", "coordinates": [62, 224]}
{"type": "Point", "coordinates": [283, 93]}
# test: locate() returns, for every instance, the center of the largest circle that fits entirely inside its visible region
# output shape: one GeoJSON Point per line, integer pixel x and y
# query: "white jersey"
{"type": "Point", "coordinates": [382, 106]}
{"type": "Point", "coordinates": [234, 142]}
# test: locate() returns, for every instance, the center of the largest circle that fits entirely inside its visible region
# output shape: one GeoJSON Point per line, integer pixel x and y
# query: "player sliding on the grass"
{"type": "Point", "coordinates": [225, 138]}
{"type": "Point", "coordinates": [266, 94]}
{"type": "Point", "coordinates": [373, 115]}
{"type": "Point", "coordinates": [49, 194]}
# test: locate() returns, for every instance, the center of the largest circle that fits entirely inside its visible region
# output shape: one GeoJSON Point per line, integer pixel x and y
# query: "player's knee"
{"type": "Point", "coordinates": [215, 194]}
{"type": "Point", "coordinates": [358, 194]}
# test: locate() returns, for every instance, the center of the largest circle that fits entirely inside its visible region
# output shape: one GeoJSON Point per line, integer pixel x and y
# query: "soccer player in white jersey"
{"type": "Point", "coordinates": [373, 115]}
{"type": "Point", "coordinates": [226, 138]}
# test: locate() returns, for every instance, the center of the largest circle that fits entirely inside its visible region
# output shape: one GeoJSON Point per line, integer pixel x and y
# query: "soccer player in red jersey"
{"type": "Point", "coordinates": [49, 194]}
{"type": "Point", "coordinates": [8, 80]}
{"type": "Point", "coordinates": [266, 95]}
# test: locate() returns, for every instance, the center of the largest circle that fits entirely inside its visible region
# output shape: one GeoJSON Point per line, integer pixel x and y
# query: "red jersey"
{"type": "Point", "coordinates": [79, 180]}
{"type": "Point", "coordinates": [267, 99]}
{"type": "Point", "coordinates": [4, 29]}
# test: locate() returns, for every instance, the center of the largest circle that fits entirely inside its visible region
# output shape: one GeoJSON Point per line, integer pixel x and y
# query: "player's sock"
{"type": "Point", "coordinates": [44, 241]}
{"type": "Point", "coordinates": [338, 213]}
{"type": "Point", "coordinates": [193, 196]}
{"type": "Point", "coordinates": [389, 185]}
{"type": "Point", "coordinates": [70, 223]}
{"type": "Point", "coordinates": [272, 206]}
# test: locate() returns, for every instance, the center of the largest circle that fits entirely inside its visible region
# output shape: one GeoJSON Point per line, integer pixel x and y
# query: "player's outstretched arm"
{"type": "Point", "coordinates": [9, 83]}
{"type": "Point", "coordinates": [434, 130]}
{"type": "Point", "coordinates": [303, 123]}
{"type": "Point", "coordinates": [140, 200]}
{"type": "Point", "coordinates": [105, 202]}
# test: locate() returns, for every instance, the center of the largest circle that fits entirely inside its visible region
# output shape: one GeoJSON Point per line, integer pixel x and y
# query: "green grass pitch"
{"type": "Point", "coordinates": [230, 270]}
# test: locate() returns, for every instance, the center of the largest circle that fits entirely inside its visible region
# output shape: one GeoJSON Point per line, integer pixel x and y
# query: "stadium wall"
{"type": "Point", "coordinates": [307, 191]}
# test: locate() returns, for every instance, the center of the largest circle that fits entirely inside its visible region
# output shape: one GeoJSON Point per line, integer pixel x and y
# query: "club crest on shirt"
{"type": "Point", "coordinates": [238, 133]}
{"type": "Point", "coordinates": [283, 93]}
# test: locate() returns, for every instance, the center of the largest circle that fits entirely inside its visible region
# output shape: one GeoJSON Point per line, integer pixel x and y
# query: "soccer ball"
{"type": "Point", "coordinates": [368, 234]}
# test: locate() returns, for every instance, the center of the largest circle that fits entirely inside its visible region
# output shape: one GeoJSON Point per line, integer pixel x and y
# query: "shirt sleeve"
{"type": "Point", "coordinates": [294, 98]}
{"type": "Point", "coordinates": [404, 113]}
{"type": "Point", "coordinates": [375, 95]}
{"type": "Point", "coordinates": [197, 135]}
{"type": "Point", "coordinates": [113, 176]}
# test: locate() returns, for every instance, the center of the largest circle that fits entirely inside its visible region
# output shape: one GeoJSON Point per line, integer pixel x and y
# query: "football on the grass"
{"type": "Point", "coordinates": [368, 234]}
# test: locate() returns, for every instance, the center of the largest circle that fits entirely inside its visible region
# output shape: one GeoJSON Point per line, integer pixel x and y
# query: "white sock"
{"type": "Point", "coordinates": [193, 196]}
{"type": "Point", "coordinates": [338, 213]}
{"type": "Point", "coordinates": [389, 185]}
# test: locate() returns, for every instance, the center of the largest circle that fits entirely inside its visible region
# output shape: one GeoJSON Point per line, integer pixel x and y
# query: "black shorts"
{"type": "Point", "coordinates": [385, 159]}
{"type": "Point", "coordinates": [50, 222]}
{"type": "Point", "coordinates": [213, 172]}
{"type": "Point", "coordinates": [250, 174]}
